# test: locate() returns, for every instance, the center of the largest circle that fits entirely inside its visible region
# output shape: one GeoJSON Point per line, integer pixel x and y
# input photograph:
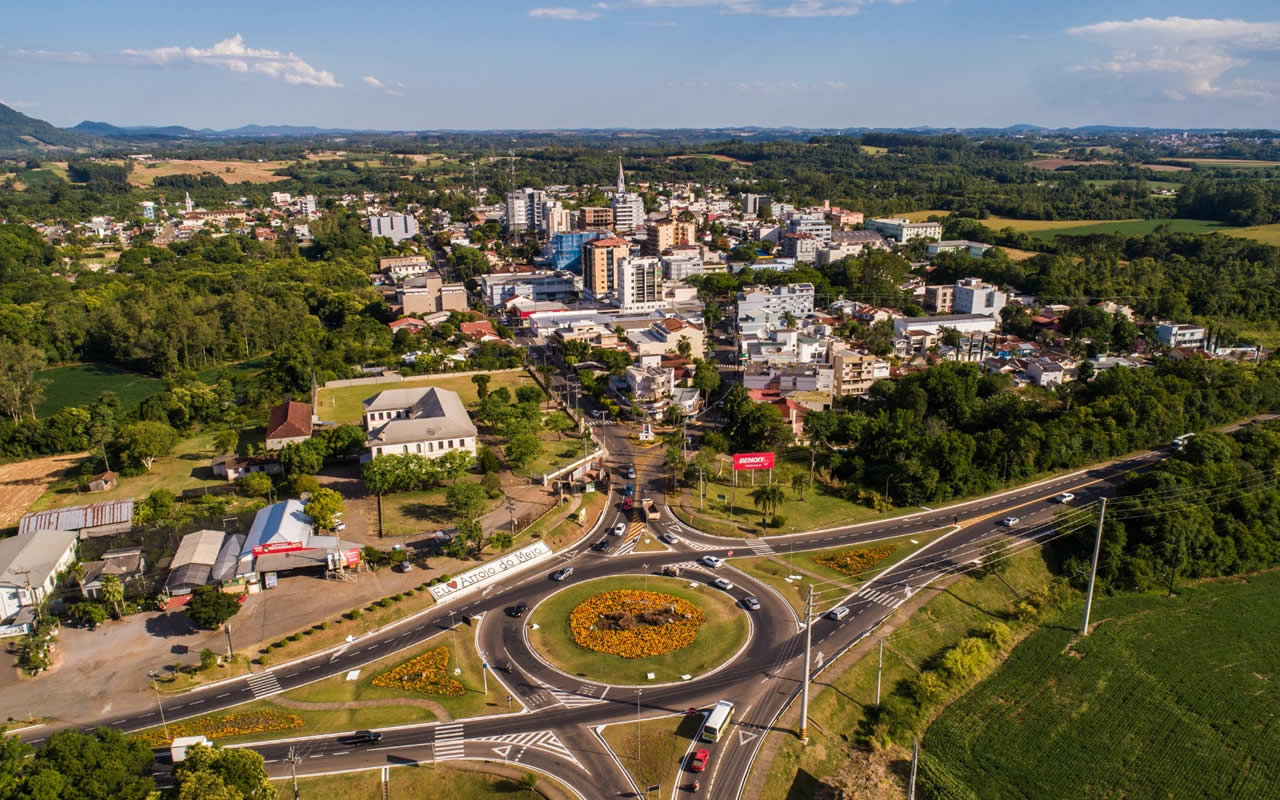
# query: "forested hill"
{"type": "Point", "coordinates": [20, 133]}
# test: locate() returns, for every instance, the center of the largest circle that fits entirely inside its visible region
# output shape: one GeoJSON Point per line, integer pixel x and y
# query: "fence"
{"type": "Point", "coordinates": [548, 477]}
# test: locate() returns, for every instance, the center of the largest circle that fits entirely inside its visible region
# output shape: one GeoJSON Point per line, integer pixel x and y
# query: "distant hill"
{"type": "Point", "coordinates": [22, 134]}
{"type": "Point", "coordinates": [108, 131]}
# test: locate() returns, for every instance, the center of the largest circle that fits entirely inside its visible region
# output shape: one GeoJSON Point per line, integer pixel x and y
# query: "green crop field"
{"type": "Point", "coordinates": [82, 383]}
{"type": "Point", "coordinates": [1267, 234]}
{"type": "Point", "coordinates": [1167, 698]}
{"type": "Point", "coordinates": [1048, 229]}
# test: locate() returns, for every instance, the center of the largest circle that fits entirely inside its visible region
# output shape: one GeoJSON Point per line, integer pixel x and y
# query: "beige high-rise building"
{"type": "Point", "coordinates": [669, 233]}
{"type": "Point", "coordinates": [854, 373]}
{"type": "Point", "coordinates": [601, 259]}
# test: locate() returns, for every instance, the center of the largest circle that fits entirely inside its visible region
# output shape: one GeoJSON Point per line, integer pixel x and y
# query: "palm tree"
{"type": "Point", "coordinates": [767, 498]}
{"type": "Point", "coordinates": [799, 482]}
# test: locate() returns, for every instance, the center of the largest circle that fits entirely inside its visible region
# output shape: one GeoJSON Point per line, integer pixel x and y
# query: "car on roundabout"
{"type": "Point", "coordinates": [627, 504]}
{"type": "Point", "coordinates": [712, 561]}
{"type": "Point", "coordinates": [562, 574]}
{"type": "Point", "coordinates": [750, 603]}
{"type": "Point", "coordinates": [669, 538]}
{"type": "Point", "coordinates": [517, 611]}
{"type": "Point", "coordinates": [619, 529]}
{"type": "Point", "coordinates": [722, 583]}
{"type": "Point", "coordinates": [698, 761]}
{"type": "Point", "coordinates": [600, 546]}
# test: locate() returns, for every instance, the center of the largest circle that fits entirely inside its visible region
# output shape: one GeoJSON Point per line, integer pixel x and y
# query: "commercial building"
{"type": "Point", "coordinates": [193, 564]}
{"type": "Point", "coordinates": [428, 294]}
{"type": "Point", "coordinates": [640, 283]}
{"type": "Point", "coordinates": [400, 267]}
{"type": "Point", "coordinates": [793, 298]}
{"type": "Point", "coordinates": [600, 260]}
{"type": "Point", "coordinates": [904, 230]}
{"type": "Point", "coordinates": [650, 385]}
{"type": "Point", "coordinates": [29, 567]}
{"type": "Point", "coordinates": [428, 421]}
{"type": "Point", "coordinates": [975, 249]}
{"type": "Point", "coordinates": [963, 323]}
{"type": "Point", "coordinates": [564, 250]}
{"type": "Point", "coordinates": [539, 286]}
{"type": "Point", "coordinates": [751, 203]}
{"type": "Point", "coordinates": [814, 225]}
{"type": "Point", "coordinates": [975, 296]}
{"type": "Point", "coordinates": [628, 207]}
{"type": "Point", "coordinates": [396, 227]}
{"type": "Point", "coordinates": [1171, 335]}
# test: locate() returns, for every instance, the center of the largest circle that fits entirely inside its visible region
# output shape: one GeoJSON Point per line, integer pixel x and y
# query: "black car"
{"type": "Point", "coordinates": [601, 546]}
{"type": "Point", "coordinates": [518, 609]}
{"type": "Point", "coordinates": [365, 737]}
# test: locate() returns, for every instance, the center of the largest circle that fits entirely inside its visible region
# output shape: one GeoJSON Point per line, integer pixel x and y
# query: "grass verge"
{"type": "Point", "coordinates": [345, 404]}
{"type": "Point", "coordinates": [659, 760]}
{"type": "Point", "coordinates": [734, 515]}
{"type": "Point", "coordinates": [723, 632]}
{"type": "Point", "coordinates": [472, 781]}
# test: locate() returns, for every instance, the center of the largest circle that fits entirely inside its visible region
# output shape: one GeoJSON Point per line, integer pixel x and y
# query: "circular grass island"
{"type": "Point", "coordinates": [617, 630]}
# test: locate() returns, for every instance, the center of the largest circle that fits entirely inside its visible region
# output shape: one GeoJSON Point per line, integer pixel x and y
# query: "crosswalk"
{"type": "Point", "coordinates": [585, 695]}
{"type": "Point", "coordinates": [760, 547]}
{"type": "Point", "coordinates": [881, 598]}
{"type": "Point", "coordinates": [450, 742]}
{"type": "Point", "coordinates": [634, 531]}
{"type": "Point", "coordinates": [263, 684]}
{"type": "Point", "coordinates": [600, 423]}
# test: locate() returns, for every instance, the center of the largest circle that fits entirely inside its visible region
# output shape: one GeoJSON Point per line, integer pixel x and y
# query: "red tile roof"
{"type": "Point", "coordinates": [611, 241]}
{"type": "Point", "coordinates": [411, 322]}
{"type": "Point", "coordinates": [481, 328]}
{"type": "Point", "coordinates": [289, 419]}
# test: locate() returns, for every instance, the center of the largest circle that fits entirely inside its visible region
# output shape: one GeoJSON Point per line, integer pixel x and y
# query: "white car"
{"type": "Point", "coordinates": [1065, 497]}
{"type": "Point", "coordinates": [750, 603]}
{"type": "Point", "coordinates": [721, 583]}
{"type": "Point", "coordinates": [838, 613]}
{"type": "Point", "coordinates": [711, 561]}
{"type": "Point", "coordinates": [669, 538]}
{"type": "Point", "coordinates": [619, 529]}
{"type": "Point", "coordinates": [1009, 522]}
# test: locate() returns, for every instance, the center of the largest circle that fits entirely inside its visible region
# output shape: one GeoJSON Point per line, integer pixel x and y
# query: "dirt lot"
{"type": "Point", "coordinates": [251, 171]}
{"type": "Point", "coordinates": [1058, 163]}
{"type": "Point", "coordinates": [23, 481]}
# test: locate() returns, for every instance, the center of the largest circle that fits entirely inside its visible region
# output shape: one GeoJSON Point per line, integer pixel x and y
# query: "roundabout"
{"type": "Point", "coordinates": [620, 630]}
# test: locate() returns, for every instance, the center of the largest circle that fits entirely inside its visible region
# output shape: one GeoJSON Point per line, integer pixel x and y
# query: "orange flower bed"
{"type": "Point", "coordinates": [243, 724]}
{"type": "Point", "coordinates": [634, 624]}
{"type": "Point", "coordinates": [854, 562]}
{"type": "Point", "coordinates": [427, 674]}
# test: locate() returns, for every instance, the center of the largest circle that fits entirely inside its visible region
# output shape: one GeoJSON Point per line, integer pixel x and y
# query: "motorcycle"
{"type": "Point", "coordinates": [696, 787]}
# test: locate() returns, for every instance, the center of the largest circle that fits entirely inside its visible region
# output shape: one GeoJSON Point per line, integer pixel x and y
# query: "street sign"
{"type": "Point", "coordinates": [657, 787]}
{"type": "Point", "coordinates": [743, 461]}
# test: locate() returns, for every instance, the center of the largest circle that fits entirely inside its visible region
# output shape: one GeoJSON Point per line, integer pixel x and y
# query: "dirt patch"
{"type": "Point", "coordinates": [713, 157]}
{"type": "Point", "coordinates": [23, 481]}
{"type": "Point", "coordinates": [229, 171]}
{"type": "Point", "coordinates": [1059, 163]}
{"type": "Point", "coordinates": [1165, 168]}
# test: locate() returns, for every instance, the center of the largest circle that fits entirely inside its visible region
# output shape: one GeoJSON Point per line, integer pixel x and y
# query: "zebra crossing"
{"type": "Point", "coordinates": [263, 684]}
{"type": "Point", "coordinates": [600, 423]}
{"type": "Point", "coordinates": [450, 743]}
{"type": "Point", "coordinates": [634, 532]}
{"type": "Point", "coordinates": [546, 741]}
{"type": "Point", "coordinates": [585, 695]}
{"type": "Point", "coordinates": [880, 598]}
{"type": "Point", "coordinates": [760, 547]}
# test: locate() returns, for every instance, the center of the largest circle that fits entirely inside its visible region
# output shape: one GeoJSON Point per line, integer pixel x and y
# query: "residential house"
{"type": "Point", "coordinates": [102, 482]}
{"type": "Point", "coordinates": [428, 421]}
{"type": "Point", "coordinates": [233, 467]}
{"type": "Point", "coordinates": [650, 386]}
{"type": "Point", "coordinates": [125, 563]}
{"type": "Point", "coordinates": [664, 337]}
{"type": "Point", "coordinates": [288, 423]}
{"type": "Point", "coordinates": [410, 324]}
{"type": "Point", "coordinates": [1172, 335]}
{"type": "Point", "coordinates": [1046, 372]}
{"type": "Point", "coordinates": [29, 567]}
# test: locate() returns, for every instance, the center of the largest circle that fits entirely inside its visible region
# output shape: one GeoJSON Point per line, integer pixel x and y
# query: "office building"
{"type": "Point", "coordinates": [565, 249]}
{"type": "Point", "coordinates": [815, 225]}
{"type": "Point", "coordinates": [600, 259]}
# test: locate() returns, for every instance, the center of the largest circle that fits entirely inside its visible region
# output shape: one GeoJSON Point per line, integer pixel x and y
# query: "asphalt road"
{"type": "Point", "coordinates": [555, 733]}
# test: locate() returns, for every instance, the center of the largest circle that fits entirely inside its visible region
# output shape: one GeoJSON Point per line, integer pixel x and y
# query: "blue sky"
{"type": "Point", "coordinates": [646, 63]}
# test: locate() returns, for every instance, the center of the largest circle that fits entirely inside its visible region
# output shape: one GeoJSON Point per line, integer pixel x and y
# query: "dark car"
{"type": "Point", "coordinates": [601, 546]}
{"type": "Point", "coordinates": [365, 737]}
{"type": "Point", "coordinates": [518, 609]}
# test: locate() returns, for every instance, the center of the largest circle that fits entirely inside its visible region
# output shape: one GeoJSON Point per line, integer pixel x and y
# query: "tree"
{"type": "Point", "coordinates": [144, 442]}
{"type": "Point", "coordinates": [706, 379]}
{"type": "Point", "coordinates": [256, 484]}
{"type": "Point", "coordinates": [210, 607]}
{"type": "Point", "coordinates": [113, 593]}
{"type": "Point", "coordinates": [20, 390]}
{"type": "Point", "coordinates": [673, 415]}
{"type": "Point", "coordinates": [324, 507]}
{"type": "Point", "coordinates": [225, 441]}
{"type": "Point", "coordinates": [466, 499]}
{"type": "Point", "coordinates": [101, 765]}
{"type": "Point", "coordinates": [684, 347]}
{"type": "Point", "coordinates": [13, 757]}
{"type": "Point", "coordinates": [522, 449]}
{"type": "Point", "coordinates": [559, 423]}
{"type": "Point", "coordinates": [239, 770]}
{"type": "Point", "coordinates": [488, 461]}
{"type": "Point", "coordinates": [767, 498]}
{"type": "Point", "coordinates": [344, 441]}
{"type": "Point", "coordinates": [799, 482]}
{"type": "Point", "coordinates": [482, 386]}
{"type": "Point", "coordinates": [301, 458]}
{"type": "Point", "coordinates": [87, 613]}
{"type": "Point", "coordinates": [454, 464]}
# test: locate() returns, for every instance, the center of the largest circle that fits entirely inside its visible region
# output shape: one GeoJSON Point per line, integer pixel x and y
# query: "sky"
{"type": "Point", "coordinates": [646, 63]}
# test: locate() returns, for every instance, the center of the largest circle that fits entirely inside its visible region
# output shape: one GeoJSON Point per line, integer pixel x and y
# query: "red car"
{"type": "Point", "coordinates": [627, 504]}
{"type": "Point", "coordinates": [699, 761]}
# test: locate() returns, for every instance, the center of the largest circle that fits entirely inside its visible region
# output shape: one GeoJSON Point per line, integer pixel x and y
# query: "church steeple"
{"type": "Point", "coordinates": [622, 181]}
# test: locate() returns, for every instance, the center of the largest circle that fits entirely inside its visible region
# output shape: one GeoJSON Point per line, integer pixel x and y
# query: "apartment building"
{"type": "Point", "coordinates": [564, 250]}
{"type": "Point", "coordinates": [940, 297]}
{"type": "Point", "coordinates": [853, 373]}
{"type": "Point", "coordinates": [669, 233]}
{"type": "Point", "coordinates": [600, 260]}
{"type": "Point", "coordinates": [975, 296]}
{"type": "Point", "coordinates": [904, 230]}
{"type": "Point", "coordinates": [590, 217]}
{"type": "Point", "coordinates": [681, 262]}
{"type": "Point", "coordinates": [526, 210]}
{"type": "Point", "coordinates": [428, 293]}
{"type": "Point", "coordinates": [639, 283]}
{"type": "Point", "coordinates": [1171, 335]}
{"type": "Point", "coordinates": [803, 247]}
{"type": "Point", "coordinates": [793, 298]}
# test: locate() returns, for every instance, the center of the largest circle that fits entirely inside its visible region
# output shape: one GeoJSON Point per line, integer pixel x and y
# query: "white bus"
{"type": "Point", "coordinates": [1181, 441]}
{"type": "Point", "coordinates": [717, 721]}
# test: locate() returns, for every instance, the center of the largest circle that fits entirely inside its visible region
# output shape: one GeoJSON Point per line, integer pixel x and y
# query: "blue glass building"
{"type": "Point", "coordinates": [565, 249]}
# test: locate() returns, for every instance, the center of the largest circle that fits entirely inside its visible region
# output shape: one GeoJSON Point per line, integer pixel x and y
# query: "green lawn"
{"type": "Point", "coordinates": [412, 513]}
{"type": "Point", "coordinates": [1167, 698]}
{"type": "Point", "coordinates": [238, 369]}
{"type": "Point", "coordinates": [438, 780]}
{"type": "Point", "coordinates": [722, 633]}
{"type": "Point", "coordinates": [1267, 234]}
{"type": "Point", "coordinates": [345, 404]}
{"type": "Point", "coordinates": [837, 708]}
{"type": "Point", "coordinates": [463, 656]}
{"type": "Point", "coordinates": [815, 509]}
{"type": "Point", "coordinates": [775, 569]}
{"type": "Point", "coordinates": [663, 743]}
{"type": "Point", "coordinates": [186, 468]}
{"type": "Point", "coordinates": [81, 384]}
{"type": "Point", "coordinates": [558, 450]}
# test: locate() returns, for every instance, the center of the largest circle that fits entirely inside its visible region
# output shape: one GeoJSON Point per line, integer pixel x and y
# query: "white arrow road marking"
{"type": "Point", "coordinates": [821, 658]}
{"type": "Point", "coordinates": [744, 737]}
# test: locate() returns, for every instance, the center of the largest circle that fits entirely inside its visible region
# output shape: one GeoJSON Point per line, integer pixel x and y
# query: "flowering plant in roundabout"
{"type": "Point", "coordinates": [634, 624]}
{"type": "Point", "coordinates": [426, 673]}
{"type": "Point", "coordinates": [853, 562]}
{"type": "Point", "coordinates": [242, 724]}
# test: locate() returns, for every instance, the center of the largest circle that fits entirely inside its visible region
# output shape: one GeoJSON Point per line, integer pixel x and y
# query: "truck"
{"type": "Point", "coordinates": [648, 511]}
{"type": "Point", "coordinates": [178, 748]}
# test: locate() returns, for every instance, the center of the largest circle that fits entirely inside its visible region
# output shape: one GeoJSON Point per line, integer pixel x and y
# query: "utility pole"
{"type": "Point", "coordinates": [294, 758]}
{"type": "Point", "coordinates": [879, 670]}
{"type": "Point", "coordinates": [804, 685]}
{"type": "Point", "coordinates": [153, 675]}
{"type": "Point", "coordinates": [1093, 570]}
{"type": "Point", "coordinates": [230, 652]}
{"type": "Point", "coordinates": [915, 763]}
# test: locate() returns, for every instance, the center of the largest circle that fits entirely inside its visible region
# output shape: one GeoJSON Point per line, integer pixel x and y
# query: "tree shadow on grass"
{"type": "Point", "coordinates": [426, 512]}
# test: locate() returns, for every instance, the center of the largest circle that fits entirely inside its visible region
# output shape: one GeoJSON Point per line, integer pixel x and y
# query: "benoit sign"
{"type": "Point", "coordinates": [486, 572]}
{"type": "Point", "coordinates": [753, 461]}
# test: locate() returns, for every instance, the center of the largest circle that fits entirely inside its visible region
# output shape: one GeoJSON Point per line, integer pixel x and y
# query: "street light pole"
{"type": "Point", "coordinates": [804, 680]}
{"type": "Point", "coordinates": [153, 675]}
{"type": "Point", "coordinates": [1093, 570]}
{"type": "Point", "coordinates": [230, 652]}
{"type": "Point", "coordinates": [638, 726]}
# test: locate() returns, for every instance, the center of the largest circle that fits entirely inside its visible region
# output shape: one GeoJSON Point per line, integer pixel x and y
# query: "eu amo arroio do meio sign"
{"type": "Point", "coordinates": [753, 461]}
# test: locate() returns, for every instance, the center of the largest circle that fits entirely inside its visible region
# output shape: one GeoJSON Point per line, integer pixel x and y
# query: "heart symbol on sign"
{"type": "Point", "coordinates": [452, 584]}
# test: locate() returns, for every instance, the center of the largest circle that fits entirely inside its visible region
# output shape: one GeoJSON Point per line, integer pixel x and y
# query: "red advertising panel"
{"type": "Point", "coordinates": [753, 461]}
{"type": "Point", "coordinates": [278, 547]}
{"type": "Point", "coordinates": [351, 557]}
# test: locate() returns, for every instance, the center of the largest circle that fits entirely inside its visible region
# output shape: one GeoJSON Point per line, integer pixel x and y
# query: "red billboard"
{"type": "Point", "coordinates": [753, 461]}
{"type": "Point", "coordinates": [278, 547]}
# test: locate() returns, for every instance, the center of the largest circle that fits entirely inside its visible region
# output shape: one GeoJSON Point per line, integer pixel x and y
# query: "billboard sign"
{"type": "Point", "coordinates": [278, 547]}
{"type": "Point", "coordinates": [753, 461]}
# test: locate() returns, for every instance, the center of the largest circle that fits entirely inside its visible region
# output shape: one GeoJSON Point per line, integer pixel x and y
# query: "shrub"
{"type": "Point", "coordinates": [293, 637]}
{"type": "Point", "coordinates": [927, 687]}
{"type": "Point", "coordinates": [998, 634]}
{"type": "Point", "coordinates": [397, 597]}
{"type": "Point", "coordinates": [968, 658]}
{"type": "Point", "coordinates": [408, 592]}
{"type": "Point", "coordinates": [208, 659]}
{"type": "Point", "coordinates": [384, 602]}
{"type": "Point", "coordinates": [779, 520]}
{"type": "Point", "coordinates": [354, 614]}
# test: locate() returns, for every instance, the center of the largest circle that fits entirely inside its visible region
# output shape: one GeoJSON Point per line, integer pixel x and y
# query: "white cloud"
{"type": "Point", "coordinates": [232, 54]}
{"type": "Point", "coordinates": [64, 56]}
{"type": "Point", "coordinates": [793, 8]}
{"type": "Point", "coordinates": [1180, 58]}
{"type": "Point", "coordinates": [564, 14]}
{"type": "Point", "coordinates": [374, 82]}
{"type": "Point", "coordinates": [19, 104]}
